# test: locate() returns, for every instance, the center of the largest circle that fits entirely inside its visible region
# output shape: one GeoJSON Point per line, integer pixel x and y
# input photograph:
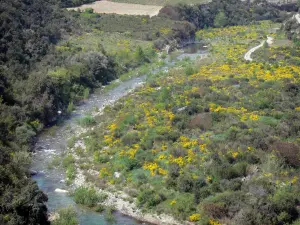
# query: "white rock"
{"type": "Point", "coordinates": [117, 174]}
{"type": "Point", "coordinates": [60, 190]}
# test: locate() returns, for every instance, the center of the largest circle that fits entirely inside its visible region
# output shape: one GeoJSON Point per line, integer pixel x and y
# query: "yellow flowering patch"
{"type": "Point", "coordinates": [195, 217]}
{"type": "Point", "coordinates": [173, 202]}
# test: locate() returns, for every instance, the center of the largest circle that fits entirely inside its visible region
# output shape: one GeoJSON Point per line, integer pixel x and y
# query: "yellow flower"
{"type": "Point", "coordinates": [195, 217]}
{"type": "Point", "coordinates": [297, 108]}
{"type": "Point", "coordinates": [294, 180]}
{"type": "Point", "coordinates": [208, 179]}
{"type": "Point", "coordinates": [162, 171]}
{"type": "Point", "coordinates": [235, 154]}
{"type": "Point", "coordinates": [250, 148]}
{"type": "Point", "coordinates": [173, 202]}
{"type": "Point", "coordinates": [254, 117]}
{"type": "Point", "coordinates": [214, 222]}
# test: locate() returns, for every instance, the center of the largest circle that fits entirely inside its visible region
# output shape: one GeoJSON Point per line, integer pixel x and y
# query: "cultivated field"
{"type": "Point", "coordinates": [162, 2]}
{"type": "Point", "coordinates": [121, 8]}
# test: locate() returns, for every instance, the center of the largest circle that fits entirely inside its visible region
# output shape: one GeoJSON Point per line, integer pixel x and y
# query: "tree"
{"type": "Point", "coordinates": [220, 20]}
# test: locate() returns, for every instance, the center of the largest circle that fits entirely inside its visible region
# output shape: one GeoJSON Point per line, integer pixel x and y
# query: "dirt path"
{"type": "Point", "coordinates": [120, 8]}
{"type": "Point", "coordinates": [248, 54]}
{"type": "Point", "coordinates": [297, 16]}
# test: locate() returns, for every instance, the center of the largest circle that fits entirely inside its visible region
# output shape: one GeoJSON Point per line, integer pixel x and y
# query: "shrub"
{"type": "Point", "coordinates": [195, 217]}
{"type": "Point", "coordinates": [130, 138]}
{"type": "Point", "coordinates": [101, 157]}
{"type": "Point", "coordinates": [68, 160]}
{"type": "Point", "coordinates": [70, 108]}
{"type": "Point", "coordinates": [150, 198]}
{"type": "Point", "coordinates": [88, 196]}
{"type": "Point", "coordinates": [285, 200]}
{"type": "Point", "coordinates": [289, 151]}
{"type": "Point", "coordinates": [86, 121]}
{"type": "Point", "coordinates": [202, 121]}
{"type": "Point", "coordinates": [214, 210]}
{"type": "Point", "coordinates": [25, 134]}
{"type": "Point", "coordinates": [185, 183]}
{"type": "Point", "coordinates": [109, 216]}
{"type": "Point", "coordinates": [71, 172]}
{"type": "Point", "coordinates": [201, 194]}
{"type": "Point", "coordinates": [183, 207]}
{"type": "Point", "coordinates": [67, 216]}
{"type": "Point", "coordinates": [99, 208]}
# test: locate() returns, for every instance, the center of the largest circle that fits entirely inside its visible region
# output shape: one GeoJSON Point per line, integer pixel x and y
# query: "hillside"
{"type": "Point", "coordinates": [209, 140]}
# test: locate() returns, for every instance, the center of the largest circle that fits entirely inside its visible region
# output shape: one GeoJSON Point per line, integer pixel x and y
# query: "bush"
{"type": "Point", "coordinates": [213, 210]}
{"type": "Point", "coordinates": [86, 121]}
{"type": "Point", "coordinates": [289, 151]}
{"type": "Point", "coordinates": [25, 134]}
{"type": "Point", "coordinates": [183, 207]}
{"type": "Point", "coordinates": [68, 160]}
{"type": "Point", "coordinates": [67, 216]}
{"type": "Point", "coordinates": [109, 216]}
{"type": "Point", "coordinates": [150, 198]}
{"type": "Point", "coordinates": [185, 183]}
{"type": "Point", "coordinates": [87, 196]}
{"type": "Point", "coordinates": [130, 138]}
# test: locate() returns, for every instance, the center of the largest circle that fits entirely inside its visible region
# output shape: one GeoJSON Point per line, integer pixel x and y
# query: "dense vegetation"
{"type": "Point", "coordinates": [73, 3]}
{"type": "Point", "coordinates": [44, 70]}
{"type": "Point", "coordinates": [215, 142]}
{"type": "Point", "coordinates": [28, 29]}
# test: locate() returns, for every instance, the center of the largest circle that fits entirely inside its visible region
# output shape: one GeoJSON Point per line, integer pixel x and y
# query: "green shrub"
{"type": "Point", "coordinates": [67, 216]}
{"type": "Point", "coordinates": [101, 157]}
{"type": "Point", "coordinates": [109, 216]}
{"type": "Point", "coordinates": [71, 172]}
{"type": "Point", "coordinates": [149, 198]}
{"type": "Point", "coordinates": [88, 196]}
{"type": "Point", "coordinates": [86, 121]}
{"type": "Point", "coordinates": [284, 199]}
{"type": "Point", "coordinates": [185, 183]}
{"type": "Point", "coordinates": [130, 138]}
{"type": "Point", "coordinates": [70, 108]}
{"type": "Point", "coordinates": [25, 134]}
{"type": "Point", "coordinates": [68, 160]}
{"type": "Point", "coordinates": [99, 208]}
{"type": "Point", "coordinates": [184, 207]}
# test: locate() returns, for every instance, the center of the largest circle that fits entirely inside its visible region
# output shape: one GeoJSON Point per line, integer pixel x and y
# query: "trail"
{"type": "Point", "coordinates": [297, 17]}
{"type": "Point", "coordinates": [269, 41]}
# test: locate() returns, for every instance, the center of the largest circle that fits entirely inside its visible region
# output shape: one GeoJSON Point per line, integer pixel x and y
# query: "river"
{"type": "Point", "coordinates": [55, 142]}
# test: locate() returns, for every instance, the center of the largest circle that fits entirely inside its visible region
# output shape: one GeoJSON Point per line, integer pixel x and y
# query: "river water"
{"type": "Point", "coordinates": [55, 142]}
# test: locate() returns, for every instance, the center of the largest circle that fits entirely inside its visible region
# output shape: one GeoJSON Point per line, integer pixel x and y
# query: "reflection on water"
{"type": "Point", "coordinates": [194, 48]}
{"type": "Point", "coordinates": [193, 51]}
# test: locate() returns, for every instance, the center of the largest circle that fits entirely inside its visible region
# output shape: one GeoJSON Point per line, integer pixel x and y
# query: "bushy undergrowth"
{"type": "Point", "coordinates": [67, 216]}
{"type": "Point", "coordinates": [219, 144]}
{"type": "Point", "coordinates": [88, 196]}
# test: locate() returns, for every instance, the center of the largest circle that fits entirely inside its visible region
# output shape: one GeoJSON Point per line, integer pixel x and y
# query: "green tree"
{"type": "Point", "coordinates": [220, 20]}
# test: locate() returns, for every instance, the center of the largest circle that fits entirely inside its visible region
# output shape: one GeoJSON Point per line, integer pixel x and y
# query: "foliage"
{"type": "Point", "coordinates": [240, 167]}
{"type": "Point", "coordinates": [67, 216]}
{"type": "Point", "coordinates": [220, 20]}
{"type": "Point", "coordinates": [88, 196]}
